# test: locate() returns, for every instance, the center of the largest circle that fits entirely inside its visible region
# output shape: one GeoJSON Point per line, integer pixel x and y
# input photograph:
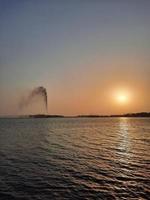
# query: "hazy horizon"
{"type": "Point", "coordinates": [91, 56]}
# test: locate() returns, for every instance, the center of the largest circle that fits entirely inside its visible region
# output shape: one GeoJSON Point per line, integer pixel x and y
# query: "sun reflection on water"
{"type": "Point", "coordinates": [124, 139]}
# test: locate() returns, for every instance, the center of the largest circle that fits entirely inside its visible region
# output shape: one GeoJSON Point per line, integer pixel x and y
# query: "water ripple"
{"type": "Point", "coordinates": [44, 159]}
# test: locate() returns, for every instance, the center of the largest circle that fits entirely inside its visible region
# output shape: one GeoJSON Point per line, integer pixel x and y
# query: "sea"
{"type": "Point", "coordinates": [75, 158]}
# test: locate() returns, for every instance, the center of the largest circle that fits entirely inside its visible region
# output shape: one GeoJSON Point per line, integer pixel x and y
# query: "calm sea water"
{"type": "Point", "coordinates": [87, 158]}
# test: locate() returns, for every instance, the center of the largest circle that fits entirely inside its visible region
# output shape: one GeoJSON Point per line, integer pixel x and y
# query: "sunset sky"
{"type": "Point", "coordinates": [92, 56]}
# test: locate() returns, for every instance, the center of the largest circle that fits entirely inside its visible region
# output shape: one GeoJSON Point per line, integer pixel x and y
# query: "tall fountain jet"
{"type": "Point", "coordinates": [36, 92]}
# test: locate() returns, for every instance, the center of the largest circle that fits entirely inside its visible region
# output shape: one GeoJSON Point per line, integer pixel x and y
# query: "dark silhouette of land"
{"type": "Point", "coordinates": [141, 114]}
{"type": "Point", "coordinates": [45, 116]}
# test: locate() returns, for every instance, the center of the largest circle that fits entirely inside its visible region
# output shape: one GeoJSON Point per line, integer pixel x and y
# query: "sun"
{"type": "Point", "coordinates": [122, 97]}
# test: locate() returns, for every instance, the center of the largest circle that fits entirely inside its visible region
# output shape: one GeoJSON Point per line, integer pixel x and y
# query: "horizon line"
{"type": "Point", "coordinates": [146, 113]}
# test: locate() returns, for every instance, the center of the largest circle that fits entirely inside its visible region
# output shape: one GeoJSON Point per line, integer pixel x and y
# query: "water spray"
{"type": "Point", "coordinates": [38, 91]}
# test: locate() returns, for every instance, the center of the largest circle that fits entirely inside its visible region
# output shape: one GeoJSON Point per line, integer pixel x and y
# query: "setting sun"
{"type": "Point", "coordinates": [122, 97]}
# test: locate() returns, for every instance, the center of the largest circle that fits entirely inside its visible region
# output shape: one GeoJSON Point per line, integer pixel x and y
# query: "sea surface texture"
{"type": "Point", "coordinates": [75, 158]}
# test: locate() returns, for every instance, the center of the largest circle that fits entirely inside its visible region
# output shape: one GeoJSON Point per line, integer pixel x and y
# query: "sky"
{"type": "Point", "coordinates": [86, 53]}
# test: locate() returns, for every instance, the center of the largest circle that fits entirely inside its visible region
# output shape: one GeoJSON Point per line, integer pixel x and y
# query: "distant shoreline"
{"type": "Point", "coordinates": [140, 114]}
